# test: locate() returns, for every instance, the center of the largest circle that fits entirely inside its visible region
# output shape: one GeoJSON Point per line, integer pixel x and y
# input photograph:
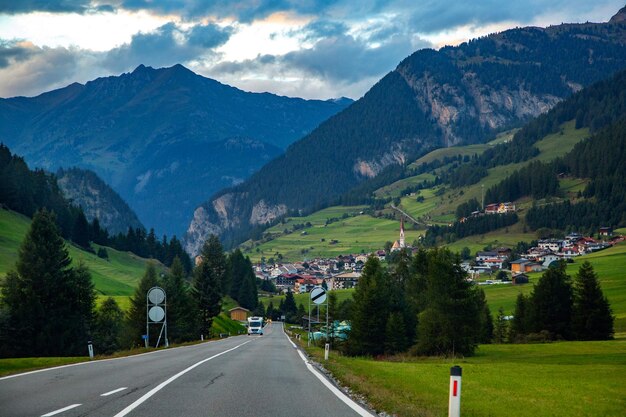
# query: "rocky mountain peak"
{"type": "Point", "coordinates": [620, 16]}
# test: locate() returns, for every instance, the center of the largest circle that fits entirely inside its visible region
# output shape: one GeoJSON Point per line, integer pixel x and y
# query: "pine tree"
{"type": "Point", "coordinates": [107, 331]}
{"type": "Point", "coordinates": [395, 334]}
{"type": "Point", "coordinates": [270, 312]}
{"type": "Point", "coordinates": [207, 284]}
{"type": "Point", "coordinates": [236, 273]}
{"type": "Point", "coordinates": [500, 327]}
{"type": "Point", "coordinates": [214, 259]}
{"type": "Point", "coordinates": [181, 310]}
{"type": "Point", "coordinates": [49, 305]}
{"type": "Point", "coordinates": [486, 334]}
{"type": "Point", "coordinates": [248, 294]}
{"type": "Point", "coordinates": [80, 231]}
{"type": "Point", "coordinates": [136, 315]}
{"type": "Point", "coordinates": [450, 322]}
{"type": "Point", "coordinates": [551, 303]}
{"type": "Point", "coordinates": [592, 317]}
{"type": "Point", "coordinates": [289, 307]}
{"type": "Point", "coordinates": [520, 324]}
{"type": "Point", "coordinates": [370, 311]}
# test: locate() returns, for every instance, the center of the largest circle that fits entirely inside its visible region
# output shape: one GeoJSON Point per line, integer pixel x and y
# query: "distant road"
{"type": "Point", "coordinates": [260, 376]}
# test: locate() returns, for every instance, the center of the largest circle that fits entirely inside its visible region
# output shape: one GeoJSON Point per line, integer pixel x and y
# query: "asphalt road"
{"type": "Point", "coordinates": [260, 376]}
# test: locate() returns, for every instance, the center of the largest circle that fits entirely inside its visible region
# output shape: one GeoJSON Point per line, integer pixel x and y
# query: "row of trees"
{"type": "Point", "coordinates": [47, 306]}
{"type": "Point", "coordinates": [560, 309]}
{"type": "Point", "coordinates": [26, 191]}
{"type": "Point", "coordinates": [423, 303]}
{"type": "Point", "coordinates": [436, 234]}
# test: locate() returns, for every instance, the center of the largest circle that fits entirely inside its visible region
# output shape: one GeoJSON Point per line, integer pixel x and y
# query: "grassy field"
{"type": "Point", "coordinates": [115, 277]}
{"type": "Point", "coordinates": [558, 379]}
{"type": "Point", "coordinates": [358, 234]}
{"type": "Point", "coordinates": [609, 264]}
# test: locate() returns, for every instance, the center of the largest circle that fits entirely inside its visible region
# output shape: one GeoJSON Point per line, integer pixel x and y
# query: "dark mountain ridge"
{"type": "Point", "coordinates": [456, 95]}
{"type": "Point", "coordinates": [85, 189]}
{"type": "Point", "coordinates": [153, 129]}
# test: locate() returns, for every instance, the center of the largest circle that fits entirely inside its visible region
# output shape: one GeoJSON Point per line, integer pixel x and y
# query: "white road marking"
{"type": "Point", "coordinates": [104, 360]}
{"type": "Point", "coordinates": [343, 397]}
{"type": "Point", "coordinates": [106, 394]}
{"type": "Point", "coordinates": [69, 407]}
{"type": "Point", "coordinates": [159, 387]}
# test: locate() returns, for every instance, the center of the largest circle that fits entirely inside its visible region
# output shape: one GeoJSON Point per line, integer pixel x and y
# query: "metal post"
{"type": "Point", "coordinates": [147, 322]}
{"type": "Point", "coordinates": [309, 338]}
{"type": "Point", "coordinates": [327, 330]}
{"type": "Point", "coordinates": [454, 404]}
{"type": "Point", "coordinates": [167, 342]}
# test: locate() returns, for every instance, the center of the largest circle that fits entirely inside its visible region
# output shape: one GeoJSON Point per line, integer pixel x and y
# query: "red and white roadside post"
{"type": "Point", "coordinates": [454, 405]}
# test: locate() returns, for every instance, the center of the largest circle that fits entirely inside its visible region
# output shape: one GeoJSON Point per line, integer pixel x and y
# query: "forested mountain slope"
{"type": "Point", "coordinates": [164, 139]}
{"type": "Point", "coordinates": [432, 99]}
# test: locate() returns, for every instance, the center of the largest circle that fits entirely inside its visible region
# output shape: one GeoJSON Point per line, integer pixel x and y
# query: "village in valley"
{"type": "Point", "coordinates": [494, 266]}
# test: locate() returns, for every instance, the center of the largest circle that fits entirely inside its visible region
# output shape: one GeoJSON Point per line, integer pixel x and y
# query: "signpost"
{"type": "Point", "coordinates": [156, 313]}
{"type": "Point", "coordinates": [318, 296]}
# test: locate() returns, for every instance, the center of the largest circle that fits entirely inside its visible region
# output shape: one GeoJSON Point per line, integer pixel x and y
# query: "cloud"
{"type": "Point", "coordinates": [333, 66]}
{"type": "Point", "coordinates": [30, 70]}
{"type": "Point", "coordinates": [242, 10]}
{"type": "Point", "coordinates": [13, 52]}
{"type": "Point", "coordinates": [53, 6]}
{"type": "Point", "coordinates": [168, 45]}
{"type": "Point", "coordinates": [434, 16]}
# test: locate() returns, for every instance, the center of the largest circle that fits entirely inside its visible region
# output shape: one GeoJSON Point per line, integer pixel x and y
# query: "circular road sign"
{"type": "Point", "coordinates": [318, 295]}
{"type": "Point", "coordinates": [156, 314]}
{"type": "Point", "coordinates": [156, 295]}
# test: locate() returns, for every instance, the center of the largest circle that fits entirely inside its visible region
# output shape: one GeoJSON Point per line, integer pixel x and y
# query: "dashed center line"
{"type": "Point", "coordinates": [106, 394]}
{"type": "Point", "coordinates": [69, 407]}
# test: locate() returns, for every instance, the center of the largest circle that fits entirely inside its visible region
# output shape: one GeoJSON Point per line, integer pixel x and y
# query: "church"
{"type": "Point", "coordinates": [400, 243]}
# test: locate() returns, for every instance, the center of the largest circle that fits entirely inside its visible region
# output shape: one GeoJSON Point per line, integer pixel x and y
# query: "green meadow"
{"type": "Point", "coordinates": [359, 234]}
{"type": "Point", "coordinates": [561, 379]}
{"type": "Point", "coordinates": [116, 277]}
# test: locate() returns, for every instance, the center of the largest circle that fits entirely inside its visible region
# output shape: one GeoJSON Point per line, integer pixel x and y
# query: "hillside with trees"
{"type": "Point", "coordinates": [432, 99]}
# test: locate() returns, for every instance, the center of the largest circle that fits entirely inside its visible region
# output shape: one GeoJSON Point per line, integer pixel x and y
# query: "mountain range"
{"type": "Point", "coordinates": [164, 139]}
{"type": "Point", "coordinates": [456, 95]}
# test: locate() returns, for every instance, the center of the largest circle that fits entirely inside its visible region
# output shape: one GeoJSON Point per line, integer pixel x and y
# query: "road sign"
{"type": "Point", "coordinates": [156, 295]}
{"type": "Point", "coordinates": [318, 295]}
{"type": "Point", "coordinates": [156, 314]}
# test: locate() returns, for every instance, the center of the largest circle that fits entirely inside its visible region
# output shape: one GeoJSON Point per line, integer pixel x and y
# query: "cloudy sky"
{"type": "Point", "coordinates": [304, 48]}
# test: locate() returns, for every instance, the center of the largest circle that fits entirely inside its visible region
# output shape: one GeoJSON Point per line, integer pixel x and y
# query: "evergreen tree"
{"type": "Point", "coordinates": [259, 310]}
{"type": "Point", "coordinates": [395, 334]}
{"type": "Point", "coordinates": [551, 303]}
{"type": "Point", "coordinates": [270, 312]}
{"type": "Point", "coordinates": [48, 304]}
{"type": "Point", "coordinates": [289, 308]}
{"type": "Point", "coordinates": [214, 259]}
{"type": "Point", "coordinates": [592, 318]}
{"type": "Point", "coordinates": [80, 231]}
{"type": "Point", "coordinates": [181, 310]}
{"type": "Point", "coordinates": [107, 331]}
{"type": "Point", "coordinates": [500, 327]}
{"type": "Point", "coordinates": [486, 334]}
{"type": "Point", "coordinates": [450, 322]}
{"type": "Point", "coordinates": [520, 324]}
{"type": "Point", "coordinates": [136, 315]}
{"type": "Point", "coordinates": [370, 311]}
{"type": "Point", "coordinates": [248, 294]}
{"type": "Point", "coordinates": [207, 280]}
{"type": "Point", "coordinates": [236, 273]}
